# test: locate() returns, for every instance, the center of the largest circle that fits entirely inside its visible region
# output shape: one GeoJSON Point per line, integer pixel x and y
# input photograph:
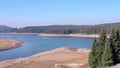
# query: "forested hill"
{"type": "Point", "coordinates": [62, 29]}
{"type": "Point", "coordinates": [4, 29]}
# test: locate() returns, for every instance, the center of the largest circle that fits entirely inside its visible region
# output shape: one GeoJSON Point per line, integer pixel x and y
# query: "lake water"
{"type": "Point", "coordinates": [35, 44]}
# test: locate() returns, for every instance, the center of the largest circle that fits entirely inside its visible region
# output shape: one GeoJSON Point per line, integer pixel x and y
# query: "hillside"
{"type": "Point", "coordinates": [4, 29]}
{"type": "Point", "coordinates": [62, 29]}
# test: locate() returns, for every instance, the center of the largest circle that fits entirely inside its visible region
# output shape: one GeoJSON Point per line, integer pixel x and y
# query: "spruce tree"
{"type": "Point", "coordinates": [92, 55]}
{"type": "Point", "coordinates": [107, 57]}
{"type": "Point", "coordinates": [105, 54]}
{"type": "Point", "coordinates": [100, 47]}
{"type": "Point", "coordinates": [115, 39]}
{"type": "Point", "coordinates": [117, 45]}
{"type": "Point", "coordinates": [102, 37]}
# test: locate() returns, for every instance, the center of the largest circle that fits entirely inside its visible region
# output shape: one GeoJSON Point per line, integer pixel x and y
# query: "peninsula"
{"type": "Point", "coordinates": [6, 44]}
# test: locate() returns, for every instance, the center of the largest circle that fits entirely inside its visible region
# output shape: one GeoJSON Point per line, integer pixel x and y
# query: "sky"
{"type": "Point", "coordinates": [21, 13]}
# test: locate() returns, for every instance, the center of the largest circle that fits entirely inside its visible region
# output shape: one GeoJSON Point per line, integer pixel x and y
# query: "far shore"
{"type": "Point", "coordinates": [19, 33]}
{"type": "Point", "coordinates": [6, 44]}
{"type": "Point", "coordinates": [72, 35]}
{"type": "Point", "coordinates": [63, 35]}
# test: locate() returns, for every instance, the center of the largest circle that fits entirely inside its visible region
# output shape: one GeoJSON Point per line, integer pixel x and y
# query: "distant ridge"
{"type": "Point", "coordinates": [113, 24]}
{"type": "Point", "coordinates": [62, 29]}
{"type": "Point", "coordinates": [5, 29]}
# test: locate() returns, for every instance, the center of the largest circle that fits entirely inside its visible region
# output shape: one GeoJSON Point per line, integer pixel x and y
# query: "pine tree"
{"type": "Point", "coordinates": [107, 57]}
{"type": "Point", "coordinates": [117, 45]}
{"type": "Point", "coordinates": [92, 55]}
{"type": "Point", "coordinates": [102, 37]}
{"type": "Point", "coordinates": [105, 54]}
{"type": "Point", "coordinates": [115, 39]}
{"type": "Point", "coordinates": [100, 47]}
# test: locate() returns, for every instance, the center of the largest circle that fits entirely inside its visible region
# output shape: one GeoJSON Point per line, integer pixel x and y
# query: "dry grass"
{"type": "Point", "coordinates": [33, 64]}
{"type": "Point", "coordinates": [57, 58]}
{"type": "Point", "coordinates": [6, 44]}
{"type": "Point", "coordinates": [49, 59]}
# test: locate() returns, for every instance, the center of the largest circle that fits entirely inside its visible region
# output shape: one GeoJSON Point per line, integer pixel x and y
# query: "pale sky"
{"type": "Point", "coordinates": [21, 13]}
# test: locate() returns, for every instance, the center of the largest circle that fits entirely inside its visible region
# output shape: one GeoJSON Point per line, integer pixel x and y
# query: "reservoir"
{"type": "Point", "coordinates": [34, 44]}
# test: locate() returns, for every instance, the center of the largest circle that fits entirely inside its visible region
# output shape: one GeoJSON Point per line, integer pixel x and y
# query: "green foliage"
{"type": "Point", "coordinates": [105, 52]}
{"type": "Point", "coordinates": [100, 48]}
{"type": "Point", "coordinates": [102, 37]}
{"type": "Point", "coordinates": [92, 55]}
{"type": "Point", "coordinates": [107, 57]}
{"type": "Point", "coordinates": [115, 39]}
{"type": "Point", "coordinates": [96, 53]}
{"type": "Point", "coordinates": [99, 54]}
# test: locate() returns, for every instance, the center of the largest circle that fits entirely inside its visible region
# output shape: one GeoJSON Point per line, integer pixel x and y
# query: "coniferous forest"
{"type": "Point", "coordinates": [62, 29]}
{"type": "Point", "coordinates": [105, 52]}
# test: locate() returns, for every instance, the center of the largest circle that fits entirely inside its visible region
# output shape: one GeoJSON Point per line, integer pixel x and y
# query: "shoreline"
{"type": "Point", "coordinates": [7, 44]}
{"type": "Point", "coordinates": [63, 35]}
{"type": "Point", "coordinates": [19, 33]}
{"type": "Point", "coordinates": [51, 59]}
{"type": "Point", "coordinates": [56, 58]}
{"type": "Point", "coordinates": [71, 35]}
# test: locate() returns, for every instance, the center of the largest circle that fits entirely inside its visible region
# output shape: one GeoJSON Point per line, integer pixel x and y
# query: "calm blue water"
{"type": "Point", "coordinates": [35, 44]}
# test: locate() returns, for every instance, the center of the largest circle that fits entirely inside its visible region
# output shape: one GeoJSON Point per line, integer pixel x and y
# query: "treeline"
{"type": "Point", "coordinates": [65, 29]}
{"type": "Point", "coordinates": [105, 52]}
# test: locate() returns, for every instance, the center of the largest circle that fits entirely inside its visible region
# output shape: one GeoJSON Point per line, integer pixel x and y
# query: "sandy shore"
{"type": "Point", "coordinates": [6, 44]}
{"type": "Point", "coordinates": [63, 35]}
{"type": "Point", "coordinates": [58, 58]}
{"type": "Point", "coordinates": [72, 35]}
